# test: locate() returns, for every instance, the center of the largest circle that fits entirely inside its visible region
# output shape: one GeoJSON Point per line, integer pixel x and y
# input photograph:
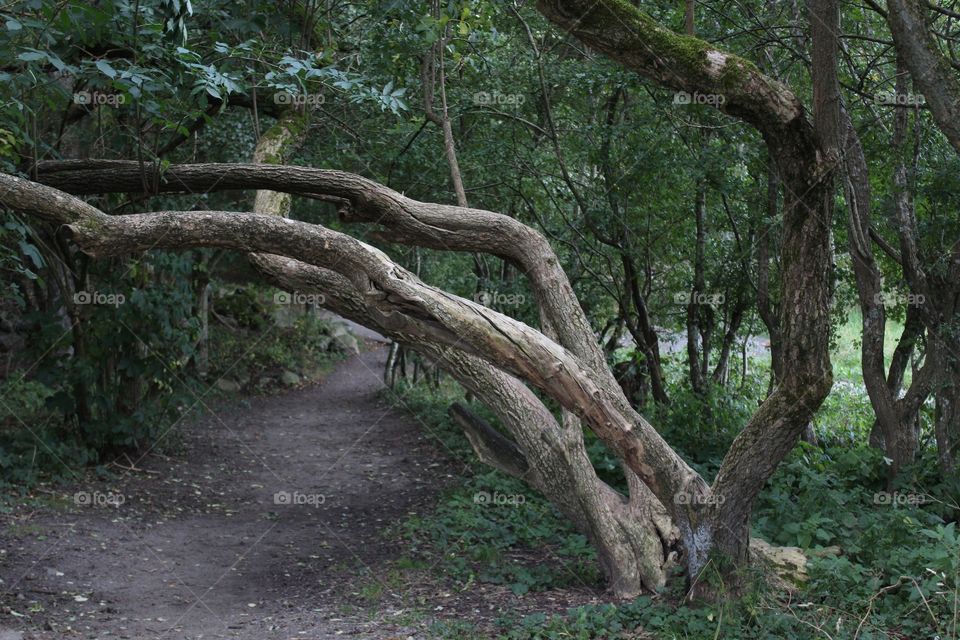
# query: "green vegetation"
{"type": "Point", "coordinates": [485, 529]}
{"type": "Point", "coordinates": [882, 564]}
{"type": "Point", "coordinates": [666, 217]}
{"type": "Point", "coordinates": [148, 386]}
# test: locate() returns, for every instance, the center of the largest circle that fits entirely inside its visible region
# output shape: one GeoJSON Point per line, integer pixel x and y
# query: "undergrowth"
{"type": "Point", "coordinates": [883, 563]}
{"type": "Point", "coordinates": [492, 528]}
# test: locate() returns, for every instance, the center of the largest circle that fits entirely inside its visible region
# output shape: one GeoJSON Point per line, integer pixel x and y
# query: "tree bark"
{"type": "Point", "coordinates": [947, 423]}
{"type": "Point", "coordinates": [642, 330]}
{"type": "Point", "coordinates": [916, 47]}
{"type": "Point", "coordinates": [683, 63]}
{"type": "Point", "coordinates": [899, 439]}
{"type": "Point", "coordinates": [697, 356]}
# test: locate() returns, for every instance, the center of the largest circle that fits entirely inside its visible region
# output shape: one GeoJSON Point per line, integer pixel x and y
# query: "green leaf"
{"type": "Point", "coordinates": [31, 252]}
{"type": "Point", "coordinates": [57, 62]}
{"type": "Point", "coordinates": [32, 56]}
{"type": "Point", "coordinates": [106, 69]}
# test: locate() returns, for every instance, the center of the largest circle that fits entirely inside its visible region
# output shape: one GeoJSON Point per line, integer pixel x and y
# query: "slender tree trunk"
{"type": "Point", "coordinates": [719, 375]}
{"type": "Point", "coordinates": [695, 356]}
{"type": "Point", "coordinates": [912, 330]}
{"type": "Point", "coordinates": [765, 305]}
{"type": "Point", "coordinates": [642, 330]}
{"type": "Point", "coordinates": [947, 420]}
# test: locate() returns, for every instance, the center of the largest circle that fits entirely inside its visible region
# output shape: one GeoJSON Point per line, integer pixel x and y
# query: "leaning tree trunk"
{"type": "Point", "coordinates": [633, 537]}
{"type": "Point", "coordinates": [717, 519]}
{"type": "Point", "coordinates": [931, 69]}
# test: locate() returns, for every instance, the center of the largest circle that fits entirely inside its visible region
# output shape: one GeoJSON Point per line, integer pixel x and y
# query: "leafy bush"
{"type": "Point", "coordinates": [702, 427]}
{"type": "Point", "coordinates": [122, 379]}
{"type": "Point", "coordinates": [897, 575]}
{"type": "Point", "coordinates": [32, 441]}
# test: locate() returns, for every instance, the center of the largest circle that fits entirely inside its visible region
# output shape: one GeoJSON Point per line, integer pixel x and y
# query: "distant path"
{"type": "Point", "coordinates": [199, 549]}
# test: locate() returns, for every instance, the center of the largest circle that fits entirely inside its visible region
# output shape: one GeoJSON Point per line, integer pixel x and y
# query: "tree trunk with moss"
{"type": "Point", "coordinates": [683, 63]}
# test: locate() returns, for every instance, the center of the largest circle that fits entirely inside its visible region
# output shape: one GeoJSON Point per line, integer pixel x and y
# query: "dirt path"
{"type": "Point", "coordinates": [200, 546]}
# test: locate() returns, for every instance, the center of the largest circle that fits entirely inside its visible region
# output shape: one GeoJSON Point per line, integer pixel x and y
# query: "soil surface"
{"type": "Point", "coordinates": [273, 521]}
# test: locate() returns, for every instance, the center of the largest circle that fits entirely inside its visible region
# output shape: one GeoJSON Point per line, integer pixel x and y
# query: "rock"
{"type": "Point", "coordinates": [346, 342]}
{"type": "Point", "coordinates": [788, 565]}
{"type": "Point", "coordinates": [228, 385]}
{"type": "Point", "coordinates": [339, 329]}
{"type": "Point", "coordinates": [289, 378]}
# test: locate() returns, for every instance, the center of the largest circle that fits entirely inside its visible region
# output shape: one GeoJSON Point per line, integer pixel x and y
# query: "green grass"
{"type": "Point", "coordinates": [845, 349]}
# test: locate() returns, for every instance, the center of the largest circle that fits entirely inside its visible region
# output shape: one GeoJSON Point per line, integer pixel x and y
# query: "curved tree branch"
{"type": "Point", "coordinates": [395, 299]}
{"type": "Point", "coordinates": [408, 221]}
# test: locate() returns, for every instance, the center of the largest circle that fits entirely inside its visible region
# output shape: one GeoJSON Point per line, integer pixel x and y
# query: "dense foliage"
{"type": "Point", "coordinates": [665, 214]}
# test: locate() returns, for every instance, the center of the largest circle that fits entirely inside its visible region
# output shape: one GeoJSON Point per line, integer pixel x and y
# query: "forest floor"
{"type": "Point", "coordinates": [201, 548]}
